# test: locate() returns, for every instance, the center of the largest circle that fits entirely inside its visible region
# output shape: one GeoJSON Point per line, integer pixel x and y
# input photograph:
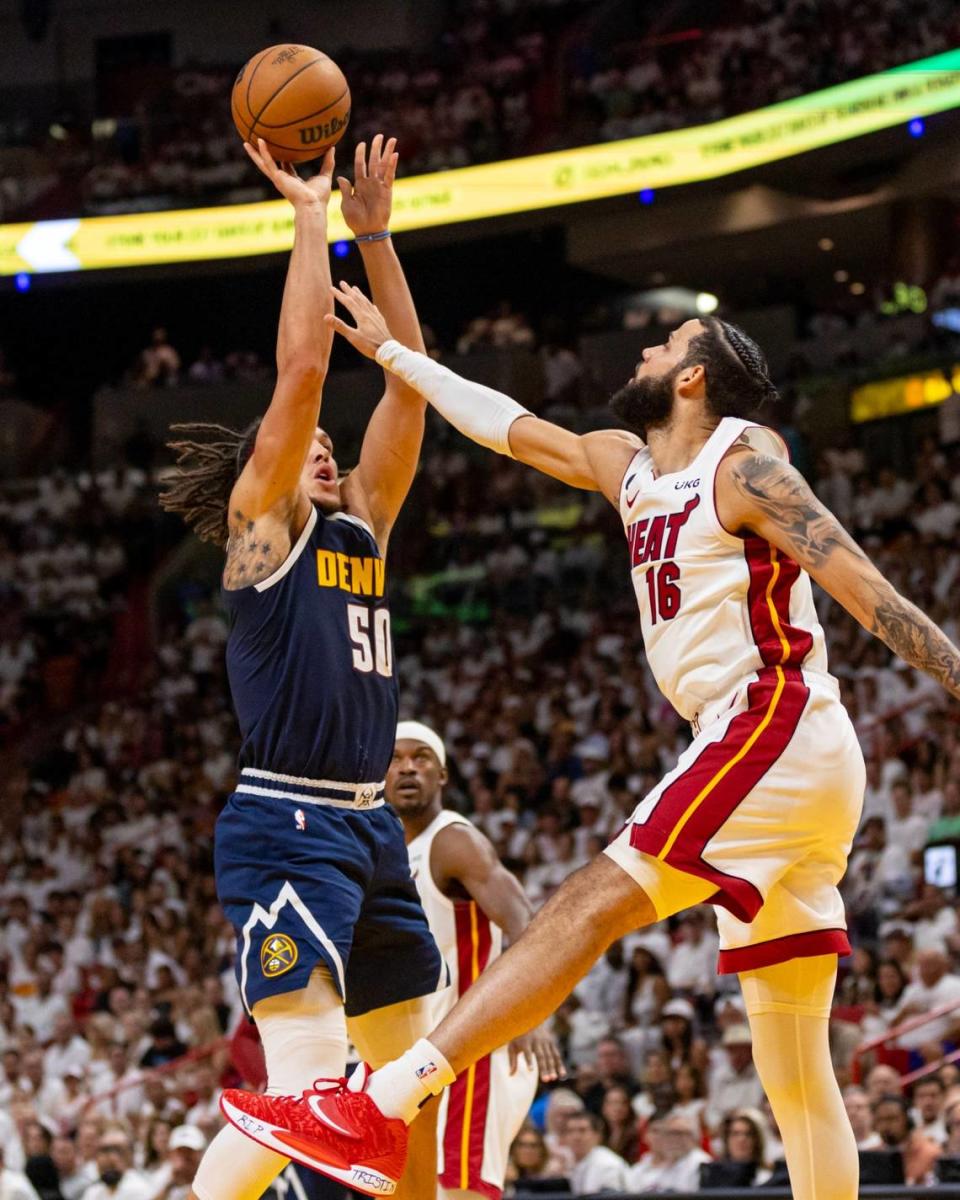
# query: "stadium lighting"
{"type": "Point", "coordinates": [707, 302]}
{"type": "Point", "coordinates": [857, 289]}
{"type": "Point", "coordinates": [341, 249]}
{"type": "Point", "coordinates": [646, 196]}
{"type": "Point", "coordinates": [841, 276]}
{"type": "Point", "coordinates": [22, 282]}
{"type": "Point", "coordinates": [825, 243]}
{"type": "Point", "coordinates": [917, 127]}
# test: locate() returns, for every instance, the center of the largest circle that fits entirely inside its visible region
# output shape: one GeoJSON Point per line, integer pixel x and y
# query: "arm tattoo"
{"type": "Point", "coordinates": [250, 557]}
{"type": "Point", "coordinates": [813, 535]}
{"type": "Point", "coordinates": [911, 634]}
{"type": "Point", "coordinates": [781, 493]}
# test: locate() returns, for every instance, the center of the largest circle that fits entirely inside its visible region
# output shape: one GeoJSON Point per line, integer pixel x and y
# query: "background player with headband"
{"type": "Point", "coordinates": [759, 814]}
{"type": "Point", "coordinates": [472, 902]}
{"type": "Point", "coordinates": [311, 866]}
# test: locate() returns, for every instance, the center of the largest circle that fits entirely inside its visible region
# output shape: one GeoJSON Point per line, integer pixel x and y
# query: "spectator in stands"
{"type": "Point", "coordinates": [934, 987]}
{"type": "Point", "coordinates": [117, 1179]}
{"type": "Point", "coordinates": [679, 1159]}
{"type": "Point", "coordinates": [529, 1160]}
{"type": "Point", "coordinates": [951, 1146]}
{"type": "Point", "coordinates": [159, 363]}
{"type": "Point", "coordinates": [891, 1119]}
{"type": "Point", "coordinates": [595, 1169]}
{"type": "Point", "coordinates": [14, 1185]}
{"type": "Point", "coordinates": [692, 968]}
{"type": "Point", "coordinates": [734, 1082]}
{"type": "Point", "coordinates": [187, 1144]}
{"type": "Point", "coordinates": [612, 1070]}
{"type": "Point", "coordinates": [622, 1135]}
{"type": "Point", "coordinates": [676, 1034]}
{"type": "Point", "coordinates": [744, 1141]}
{"type": "Point", "coordinates": [73, 1177]}
{"type": "Point", "coordinates": [928, 1099]}
{"type": "Point", "coordinates": [857, 1103]}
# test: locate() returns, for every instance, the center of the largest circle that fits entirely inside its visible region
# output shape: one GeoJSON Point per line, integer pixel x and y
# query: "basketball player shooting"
{"type": "Point", "coordinates": [758, 816]}
{"type": "Point", "coordinates": [311, 866]}
{"type": "Point", "coordinates": [472, 902]}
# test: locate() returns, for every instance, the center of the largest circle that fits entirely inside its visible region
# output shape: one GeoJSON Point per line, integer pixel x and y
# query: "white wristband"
{"type": "Point", "coordinates": [479, 412]}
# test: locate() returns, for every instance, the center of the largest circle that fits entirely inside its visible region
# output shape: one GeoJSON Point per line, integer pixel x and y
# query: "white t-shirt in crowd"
{"type": "Point", "coordinates": [599, 1171]}
{"type": "Point", "coordinates": [945, 991]}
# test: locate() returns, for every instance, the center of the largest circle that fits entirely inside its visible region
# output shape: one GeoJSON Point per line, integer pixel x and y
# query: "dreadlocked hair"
{"type": "Point", "coordinates": [209, 461]}
{"type": "Point", "coordinates": [738, 378]}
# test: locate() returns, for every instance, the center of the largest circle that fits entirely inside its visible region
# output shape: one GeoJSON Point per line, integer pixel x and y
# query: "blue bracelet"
{"type": "Point", "coordinates": [372, 237]}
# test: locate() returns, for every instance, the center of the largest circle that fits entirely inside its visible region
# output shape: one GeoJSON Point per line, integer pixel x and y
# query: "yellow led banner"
{"type": "Point", "coordinates": [820, 119]}
{"type": "Point", "coordinates": [904, 394]}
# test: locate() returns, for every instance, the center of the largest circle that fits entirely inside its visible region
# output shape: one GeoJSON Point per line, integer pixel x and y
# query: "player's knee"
{"type": "Point", "coordinates": [603, 898]}
{"type": "Point", "coordinates": [304, 1035]}
{"type": "Point", "coordinates": [385, 1033]}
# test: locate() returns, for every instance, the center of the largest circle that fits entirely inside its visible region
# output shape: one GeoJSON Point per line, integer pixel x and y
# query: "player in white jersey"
{"type": "Point", "coordinates": [759, 814]}
{"type": "Point", "coordinates": [471, 901]}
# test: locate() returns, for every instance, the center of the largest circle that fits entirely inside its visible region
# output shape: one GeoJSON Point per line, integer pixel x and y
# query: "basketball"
{"type": "Point", "coordinates": [295, 98]}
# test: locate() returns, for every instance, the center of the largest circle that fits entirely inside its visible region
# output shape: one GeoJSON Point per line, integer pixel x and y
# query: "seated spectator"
{"type": "Point", "coordinates": [734, 1083]}
{"type": "Point", "coordinates": [595, 1169]}
{"type": "Point", "coordinates": [676, 1033]}
{"type": "Point", "coordinates": [73, 1177]}
{"type": "Point", "coordinates": [691, 1096]}
{"type": "Point", "coordinates": [951, 1123]}
{"type": "Point", "coordinates": [14, 1185]}
{"type": "Point", "coordinates": [857, 1103]}
{"type": "Point", "coordinates": [530, 1159]}
{"type": "Point", "coordinates": [612, 1070]}
{"type": "Point", "coordinates": [934, 986]}
{"type": "Point", "coordinates": [117, 1179]}
{"type": "Point", "coordinates": [187, 1145]}
{"type": "Point", "coordinates": [562, 1104]}
{"type": "Point", "coordinates": [891, 1118]}
{"type": "Point", "coordinates": [159, 363]}
{"type": "Point", "coordinates": [882, 1009]}
{"type": "Point", "coordinates": [622, 1134]}
{"type": "Point", "coordinates": [679, 1159]}
{"type": "Point", "coordinates": [693, 962]}
{"type": "Point", "coordinates": [927, 1112]}
{"type": "Point", "coordinates": [744, 1141]}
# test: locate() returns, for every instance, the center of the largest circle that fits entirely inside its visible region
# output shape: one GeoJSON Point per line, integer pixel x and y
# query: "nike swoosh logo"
{"type": "Point", "coordinates": [631, 499]}
{"type": "Point", "coordinates": [316, 1107]}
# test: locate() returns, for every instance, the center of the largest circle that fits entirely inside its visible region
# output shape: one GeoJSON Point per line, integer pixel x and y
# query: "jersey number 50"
{"type": "Point", "coordinates": [370, 653]}
{"type": "Point", "coordinates": [663, 591]}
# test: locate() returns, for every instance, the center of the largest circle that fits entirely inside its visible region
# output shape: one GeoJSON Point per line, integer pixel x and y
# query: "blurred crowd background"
{"type": "Point", "coordinates": [515, 624]}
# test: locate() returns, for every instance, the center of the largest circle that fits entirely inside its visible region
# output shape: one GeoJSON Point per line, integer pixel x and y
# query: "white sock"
{"type": "Point", "coordinates": [399, 1088]}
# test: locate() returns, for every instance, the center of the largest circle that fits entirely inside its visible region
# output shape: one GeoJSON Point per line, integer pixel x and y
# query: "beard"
{"type": "Point", "coordinates": [645, 404]}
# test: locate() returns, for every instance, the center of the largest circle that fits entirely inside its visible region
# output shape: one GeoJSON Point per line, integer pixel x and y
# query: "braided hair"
{"type": "Point", "coordinates": [738, 378]}
{"type": "Point", "coordinates": [209, 461]}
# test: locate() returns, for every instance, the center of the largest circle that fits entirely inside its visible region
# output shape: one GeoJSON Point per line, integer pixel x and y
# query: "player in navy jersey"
{"type": "Point", "coordinates": [311, 864]}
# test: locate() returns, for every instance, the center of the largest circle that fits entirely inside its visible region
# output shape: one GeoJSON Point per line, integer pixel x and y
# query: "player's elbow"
{"type": "Point", "coordinates": [303, 374]}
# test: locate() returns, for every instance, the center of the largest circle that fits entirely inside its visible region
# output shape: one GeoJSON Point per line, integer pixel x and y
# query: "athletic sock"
{"type": "Point", "coordinates": [399, 1088]}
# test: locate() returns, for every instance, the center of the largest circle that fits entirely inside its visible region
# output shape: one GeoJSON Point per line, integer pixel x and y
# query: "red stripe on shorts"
{"type": "Point", "coordinates": [782, 949]}
{"type": "Point", "coordinates": [718, 781]}
{"type": "Point", "coordinates": [469, 1097]}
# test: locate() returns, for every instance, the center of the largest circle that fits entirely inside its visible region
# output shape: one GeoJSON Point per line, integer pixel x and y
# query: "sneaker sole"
{"type": "Point", "coordinates": [273, 1137]}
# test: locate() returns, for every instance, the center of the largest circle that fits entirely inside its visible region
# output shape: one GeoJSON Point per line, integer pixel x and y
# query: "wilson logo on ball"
{"type": "Point", "coordinates": [311, 134]}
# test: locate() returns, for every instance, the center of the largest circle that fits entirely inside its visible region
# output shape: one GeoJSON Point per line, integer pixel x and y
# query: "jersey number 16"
{"type": "Point", "coordinates": [372, 649]}
{"type": "Point", "coordinates": [663, 591]}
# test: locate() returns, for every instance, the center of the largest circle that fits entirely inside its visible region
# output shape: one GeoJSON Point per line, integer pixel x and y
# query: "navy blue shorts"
{"type": "Point", "coordinates": [309, 884]}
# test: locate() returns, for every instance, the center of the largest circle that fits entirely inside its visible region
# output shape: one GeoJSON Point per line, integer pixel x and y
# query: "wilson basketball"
{"type": "Point", "coordinates": [294, 97]}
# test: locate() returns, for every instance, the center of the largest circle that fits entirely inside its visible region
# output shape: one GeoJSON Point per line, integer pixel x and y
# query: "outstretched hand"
{"type": "Point", "coordinates": [284, 177]}
{"type": "Point", "coordinates": [538, 1048]}
{"type": "Point", "coordinates": [366, 203]}
{"type": "Point", "coordinates": [370, 331]}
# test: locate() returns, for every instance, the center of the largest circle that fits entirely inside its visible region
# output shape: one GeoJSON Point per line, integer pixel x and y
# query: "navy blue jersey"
{"type": "Point", "coordinates": [310, 659]}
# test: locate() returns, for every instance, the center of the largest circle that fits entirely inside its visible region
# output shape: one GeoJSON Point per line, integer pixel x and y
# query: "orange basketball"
{"type": "Point", "coordinates": [295, 98]}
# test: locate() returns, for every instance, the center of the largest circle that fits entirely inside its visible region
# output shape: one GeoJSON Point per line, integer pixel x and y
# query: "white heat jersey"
{"type": "Point", "coordinates": [714, 608]}
{"type": "Point", "coordinates": [482, 1110]}
{"type": "Point", "coordinates": [466, 937]}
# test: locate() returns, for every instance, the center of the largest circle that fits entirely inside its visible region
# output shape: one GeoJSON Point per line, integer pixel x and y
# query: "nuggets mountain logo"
{"type": "Point", "coordinates": [278, 954]}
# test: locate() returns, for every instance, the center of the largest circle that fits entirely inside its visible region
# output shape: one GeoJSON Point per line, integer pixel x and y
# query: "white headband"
{"type": "Point", "coordinates": [416, 731]}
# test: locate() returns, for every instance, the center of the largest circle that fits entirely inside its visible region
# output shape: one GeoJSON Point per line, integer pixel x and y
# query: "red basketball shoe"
{"type": "Point", "coordinates": [329, 1128]}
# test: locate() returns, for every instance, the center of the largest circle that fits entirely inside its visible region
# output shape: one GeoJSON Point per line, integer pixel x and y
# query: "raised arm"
{"type": "Point", "coordinates": [594, 461]}
{"type": "Point", "coordinates": [391, 444]}
{"type": "Point", "coordinates": [766, 495]}
{"type": "Point", "coordinates": [270, 480]}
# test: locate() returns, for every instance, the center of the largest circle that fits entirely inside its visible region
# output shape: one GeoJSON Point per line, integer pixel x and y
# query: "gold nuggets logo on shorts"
{"type": "Point", "coordinates": [278, 954]}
